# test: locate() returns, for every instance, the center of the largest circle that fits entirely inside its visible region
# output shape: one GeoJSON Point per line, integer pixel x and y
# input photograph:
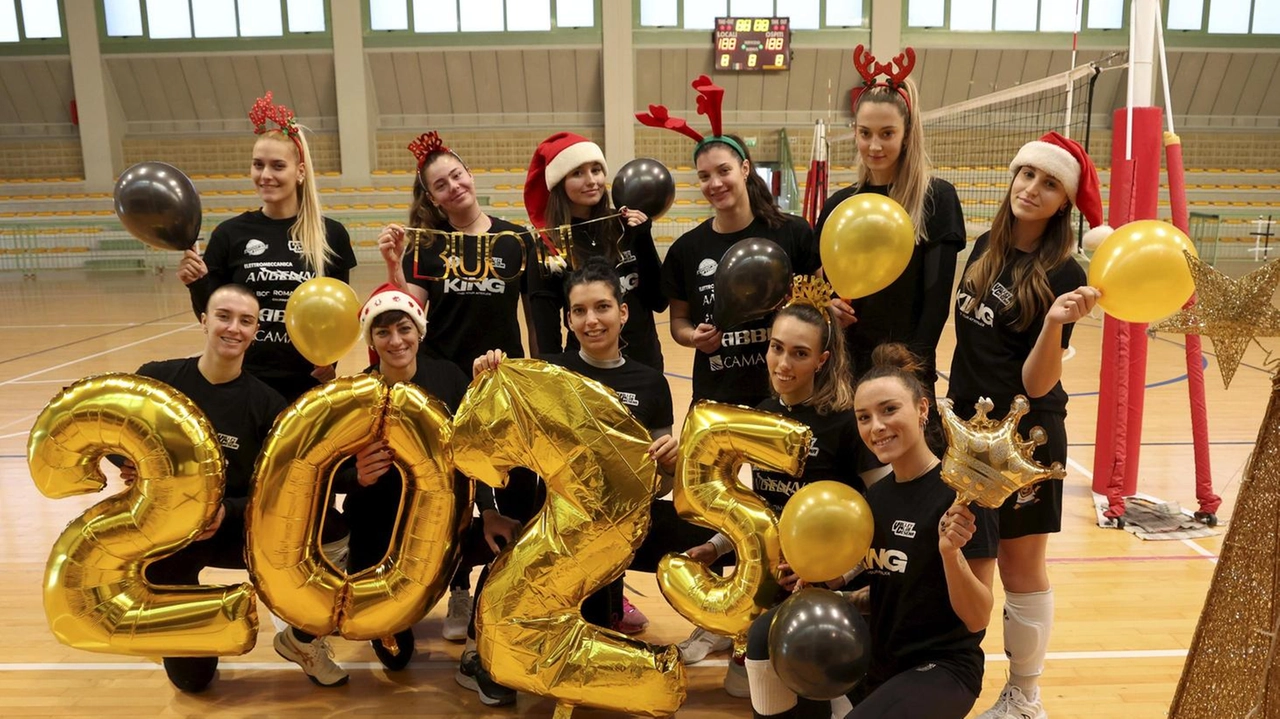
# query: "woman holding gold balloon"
{"type": "Point", "coordinates": [567, 200]}
{"type": "Point", "coordinates": [1019, 297]}
{"type": "Point", "coordinates": [913, 308]}
{"type": "Point", "coordinates": [470, 271]}
{"type": "Point", "coordinates": [729, 362]}
{"type": "Point", "coordinates": [930, 570]}
{"type": "Point", "coordinates": [242, 409]}
{"type": "Point", "coordinates": [274, 249]}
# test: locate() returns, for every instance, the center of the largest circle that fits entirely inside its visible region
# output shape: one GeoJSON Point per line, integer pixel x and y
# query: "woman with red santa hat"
{"type": "Point", "coordinates": [565, 187]}
{"type": "Point", "coordinates": [1021, 294]}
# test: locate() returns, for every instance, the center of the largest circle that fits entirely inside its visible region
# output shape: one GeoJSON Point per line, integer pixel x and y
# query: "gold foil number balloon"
{"type": "Point", "coordinates": [600, 482]}
{"type": "Point", "coordinates": [95, 594]}
{"type": "Point", "coordinates": [290, 494]}
{"type": "Point", "coordinates": [716, 440]}
{"type": "Point", "coordinates": [986, 460]}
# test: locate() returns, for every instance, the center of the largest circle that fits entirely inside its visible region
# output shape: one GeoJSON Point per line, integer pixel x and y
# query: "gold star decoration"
{"type": "Point", "coordinates": [986, 460]}
{"type": "Point", "coordinates": [1230, 312]}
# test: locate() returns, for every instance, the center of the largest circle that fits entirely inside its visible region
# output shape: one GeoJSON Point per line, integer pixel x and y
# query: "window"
{"type": "Point", "coordinates": [525, 15]}
{"type": "Point", "coordinates": [844, 14]}
{"type": "Point", "coordinates": [435, 16]}
{"type": "Point", "coordinates": [388, 15]}
{"type": "Point", "coordinates": [702, 14]}
{"type": "Point", "coordinates": [40, 19]}
{"type": "Point", "coordinates": [1229, 16]}
{"type": "Point", "coordinates": [970, 15]}
{"type": "Point", "coordinates": [575, 13]}
{"type": "Point", "coordinates": [1185, 14]}
{"type": "Point", "coordinates": [480, 15]}
{"type": "Point", "coordinates": [444, 16]}
{"type": "Point", "coordinates": [925, 13]}
{"type": "Point", "coordinates": [803, 13]}
{"type": "Point", "coordinates": [8, 22]}
{"type": "Point", "coordinates": [1266, 17]}
{"type": "Point", "coordinates": [1015, 15]}
{"type": "Point", "coordinates": [659, 13]}
{"type": "Point", "coordinates": [1106, 14]}
{"type": "Point", "coordinates": [180, 19]}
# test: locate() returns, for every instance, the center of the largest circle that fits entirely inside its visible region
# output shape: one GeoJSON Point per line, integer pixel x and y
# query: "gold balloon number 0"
{"type": "Point", "coordinates": [95, 594]}
{"type": "Point", "coordinates": [290, 494]}
{"type": "Point", "coordinates": [600, 481]}
{"type": "Point", "coordinates": [715, 442]}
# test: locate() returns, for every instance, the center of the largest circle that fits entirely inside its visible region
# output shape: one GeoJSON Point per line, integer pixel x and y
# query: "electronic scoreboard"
{"type": "Point", "coordinates": [753, 43]}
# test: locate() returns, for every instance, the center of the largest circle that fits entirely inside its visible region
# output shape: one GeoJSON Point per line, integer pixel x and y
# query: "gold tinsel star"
{"type": "Point", "coordinates": [1230, 312]}
{"type": "Point", "coordinates": [986, 460]}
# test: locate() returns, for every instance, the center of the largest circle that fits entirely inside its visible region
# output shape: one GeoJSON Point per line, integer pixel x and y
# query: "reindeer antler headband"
{"type": "Point", "coordinates": [710, 102]}
{"type": "Point", "coordinates": [264, 111]}
{"type": "Point", "coordinates": [427, 143]}
{"type": "Point", "coordinates": [894, 72]}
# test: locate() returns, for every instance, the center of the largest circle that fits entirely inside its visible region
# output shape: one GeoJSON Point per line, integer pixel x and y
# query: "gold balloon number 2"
{"type": "Point", "coordinates": [95, 594]}
{"type": "Point", "coordinates": [600, 480]}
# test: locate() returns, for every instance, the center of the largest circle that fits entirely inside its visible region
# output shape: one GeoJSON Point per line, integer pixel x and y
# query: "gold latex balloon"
{"type": "Point", "coordinates": [290, 494]}
{"type": "Point", "coordinates": [95, 594]}
{"type": "Point", "coordinates": [593, 456]}
{"type": "Point", "coordinates": [1142, 272]}
{"type": "Point", "coordinates": [716, 440]}
{"type": "Point", "coordinates": [825, 529]}
{"type": "Point", "coordinates": [986, 460]}
{"type": "Point", "coordinates": [866, 243]}
{"type": "Point", "coordinates": [322, 318]}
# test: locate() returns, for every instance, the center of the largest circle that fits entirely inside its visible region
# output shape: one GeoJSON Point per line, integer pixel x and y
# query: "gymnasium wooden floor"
{"type": "Point", "coordinates": [1126, 609]}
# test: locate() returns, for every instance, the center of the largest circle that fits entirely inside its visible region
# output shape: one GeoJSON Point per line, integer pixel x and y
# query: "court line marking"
{"type": "Point", "coordinates": [78, 360]}
{"type": "Point", "coordinates": [452, 664]}
{"type": "Point", "coordinates": [95, 324]}
{"type": "Point", "coordinates": [44, 381]}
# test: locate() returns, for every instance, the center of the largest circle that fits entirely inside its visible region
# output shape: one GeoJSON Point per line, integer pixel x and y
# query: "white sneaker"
{"type": "Point", "coordinates": [700, 644]}
{"type": "Point", "coordinates": [458, 617]}
{"type": "Point", "coordinates": [1014, 704]}
{"type": "Point", "coordinates": [735, 680]}
{"type": "Point", "coordinates": [316, 658]}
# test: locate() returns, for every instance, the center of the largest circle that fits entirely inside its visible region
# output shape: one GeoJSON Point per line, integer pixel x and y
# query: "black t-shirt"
{"type": "Point", "coordinates": [469, 313]}
{"type": "Point", "coordinates": [912, 621]}
{"type": "Point", "coordinates": [642, 389]}
{"type": "Point", "coordinates": [833, 453]}
{"type": "Point", "coordinates": [990, 353]}
{"type": "Point", "coordinates": [241, 412]}
{"type": "Point", "coordinates": [913, 309]}
{"type": "Point", "coordinates": [736, 373]}
{"type": "Point", "coordinates": [254, 250]}
{"type": "Point", "coordinates": [639, 270]}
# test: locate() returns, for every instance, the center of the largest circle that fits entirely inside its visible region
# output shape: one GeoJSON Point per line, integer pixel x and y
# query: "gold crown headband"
{"type": "Point", "coordinates": [813, 291]}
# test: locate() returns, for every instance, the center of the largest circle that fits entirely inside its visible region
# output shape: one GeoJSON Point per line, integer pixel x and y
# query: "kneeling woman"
{"type": "Point", "coordinates": [929, 608]}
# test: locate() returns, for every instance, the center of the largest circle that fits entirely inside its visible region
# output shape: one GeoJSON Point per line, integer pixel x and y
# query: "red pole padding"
{"type": "Point", "coordinates": [1135, 193]}
{"type": "Point", "coordinates": [1209, 502]}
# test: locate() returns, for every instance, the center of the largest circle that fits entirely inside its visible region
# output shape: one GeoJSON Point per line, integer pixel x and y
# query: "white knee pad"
{"type": "Point", "coordinates": [769, 695]}
{"type": "Point", "coordinates": [1028, 620]}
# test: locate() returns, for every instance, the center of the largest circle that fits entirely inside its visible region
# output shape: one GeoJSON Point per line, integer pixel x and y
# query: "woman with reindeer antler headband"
{"type": "Point", "coordinates": [275, 248]}
{"type": "Point", "coordinates": [729, 362]}
{"type": "Point", "coordinates": [892, 162]}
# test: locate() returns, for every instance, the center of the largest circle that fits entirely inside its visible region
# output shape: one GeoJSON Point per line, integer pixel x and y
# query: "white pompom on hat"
{"type": "Point", "coordinates": [1066, 160]}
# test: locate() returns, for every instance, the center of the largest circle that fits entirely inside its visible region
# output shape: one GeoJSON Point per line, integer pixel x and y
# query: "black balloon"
{"type": "Point", "coordinates": [644, 184]}
{"type": "Point", "coordinates": [752, 280]}
{"type": "Point", "coordinates": [158, 204]}
{"type": "Point", "coordinates": [819, 644]}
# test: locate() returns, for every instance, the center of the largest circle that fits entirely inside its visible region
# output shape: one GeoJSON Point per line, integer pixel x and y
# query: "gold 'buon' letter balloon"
{"type": "Point", "coordinates": [986, 460]}
{"type": "Point", "coordinates": [600, 482]}
{"type": "Point", "coordinates": [95, 594]}
{"type": "Point", "coordinates": [866, 244]}
{"type": "Point", "coordinates": [715, 441]}
{"type": "Point", "coordinates": [291, 492]}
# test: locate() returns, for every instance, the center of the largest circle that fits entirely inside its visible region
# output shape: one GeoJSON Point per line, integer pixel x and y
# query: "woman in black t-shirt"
{"type": "Point", "coordinates": [1019, 297]}
{"type": "Point", "coordinates": [274, 249]}
{"type": "Point", "coordinates": [930, 569]}
{"type": "Point", "coordinates": [729, 362]}
{"type": "Point", "coordinates": [470, 283]}
{"type": "Point", "coordinates": [892, 162]}
{"type": "Point", "coordinates": [566, 187]}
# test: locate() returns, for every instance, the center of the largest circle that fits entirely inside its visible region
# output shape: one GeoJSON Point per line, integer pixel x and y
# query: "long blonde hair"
{"type": "Point", "coordinates": [1032, 294]}
{"type": "Point", "coordinates": [308, 228]}
{"type": "Point", "coordinates": [910, 186]}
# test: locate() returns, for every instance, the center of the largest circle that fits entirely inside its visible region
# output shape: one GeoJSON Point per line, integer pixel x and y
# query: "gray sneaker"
{"type": "Point", "coordinates": [316, 658]}
{"type": "Point", "coordinates": [700, 644]}
{"type": "Point", "coordinates": [472, 675]}
{"type": "Point", "coordinates": [458, 617]}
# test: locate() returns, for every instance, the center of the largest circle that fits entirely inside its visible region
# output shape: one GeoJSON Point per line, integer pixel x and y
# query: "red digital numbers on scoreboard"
{"type": "Point", "coordinates": [753, 43]}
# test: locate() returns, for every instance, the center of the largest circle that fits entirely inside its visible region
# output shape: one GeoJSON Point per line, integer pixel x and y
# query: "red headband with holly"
{"type": "Point", "coordinates": [264, 111]}
{"type": "Point", "coordinates": [894, 72]}
{"type": "Point", "coordinates": [710, 103]}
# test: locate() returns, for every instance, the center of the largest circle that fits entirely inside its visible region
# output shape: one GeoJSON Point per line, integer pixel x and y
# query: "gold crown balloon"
{"type": "Point", "coordinates": [987, 460]}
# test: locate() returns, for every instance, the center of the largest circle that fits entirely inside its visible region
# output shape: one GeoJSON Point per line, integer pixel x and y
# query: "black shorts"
{"type": "Point", "coordinates": [1038, 509]}
{"type": "Point", "coordinates": [929, 691]}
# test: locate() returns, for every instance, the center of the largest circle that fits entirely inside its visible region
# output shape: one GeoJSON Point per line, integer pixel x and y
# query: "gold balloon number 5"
{"type": "Point", "coordinates": [715, 442]}
{"type": "Point", "coordinates": [290, 493]}
{"type": "Point", "coordinates": [95, 595]}
{"type": "Point", "coordinates": [600, 482]}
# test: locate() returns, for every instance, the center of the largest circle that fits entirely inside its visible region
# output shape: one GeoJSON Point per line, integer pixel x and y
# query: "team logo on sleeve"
{"type": "Point", "coordinates": [253, 248]}
{"type": "Point", "coordinates": [707, 267]}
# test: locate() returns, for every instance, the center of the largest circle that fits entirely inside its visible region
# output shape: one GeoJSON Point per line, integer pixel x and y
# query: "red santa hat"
{"type": "Point", "coordinates": [386, 298]}
{"type": "Point", "coordinates": [555, 158]}
{"type": "Point", "coordinates": [1066, 160]}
